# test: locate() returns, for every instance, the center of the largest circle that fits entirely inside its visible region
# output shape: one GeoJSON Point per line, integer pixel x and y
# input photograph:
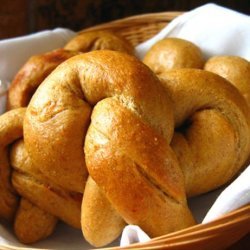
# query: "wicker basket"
{"type": "Point", "coordinates": [218, 234]}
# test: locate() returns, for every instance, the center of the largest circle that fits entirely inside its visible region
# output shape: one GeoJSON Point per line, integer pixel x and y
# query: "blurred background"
{"type": "Point", "coordinates": [20, 17]}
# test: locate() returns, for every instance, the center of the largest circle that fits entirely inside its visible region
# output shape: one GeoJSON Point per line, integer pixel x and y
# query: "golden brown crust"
{"type": "Point", "coordinates": [31, 75]}
{"type": "Point", "coordinates": [99, 40]}
{"type": "Point", "coordinates": [212, 119]}
{"type": "Point", "coordinates": [98, 214]}
{"type": "Point", "coordinates": [11, 128]}
{"type": "Point", "coordinates": [173, 53]}
{"type": "Point", "coordinates": [56, 202]}
{"type": "Point", "coordinates": [235, 69]}
{"type": "Point", "coordinates": [32, 223]}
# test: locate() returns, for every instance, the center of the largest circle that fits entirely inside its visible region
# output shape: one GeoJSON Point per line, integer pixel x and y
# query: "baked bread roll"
{"type": "Point", "coordinates": [126, 127]}
{"type": "Point", "coordinates": [212, 131]}
{"type": "Point", "coordinates": [173, 53]}
{"type": "Point", "coordinates": [235, 69]}
{"type": "Point", "coordinates": [99, 40]}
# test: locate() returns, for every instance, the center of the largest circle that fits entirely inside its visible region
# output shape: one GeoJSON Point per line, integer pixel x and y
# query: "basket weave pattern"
{"type": "Point", "coordinates": [138, 29]}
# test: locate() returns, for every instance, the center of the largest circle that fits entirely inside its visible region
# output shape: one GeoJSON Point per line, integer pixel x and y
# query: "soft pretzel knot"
{"type": "Point", "coordinates": [127, 148]}
{"type": "Point", "coordinates": [212, 123]}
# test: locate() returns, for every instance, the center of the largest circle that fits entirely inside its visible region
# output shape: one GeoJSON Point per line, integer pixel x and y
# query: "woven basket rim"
{"type": "Point", "coordinates": [138, 19]}
{"type": "Point", "coordinates": [236, 217]}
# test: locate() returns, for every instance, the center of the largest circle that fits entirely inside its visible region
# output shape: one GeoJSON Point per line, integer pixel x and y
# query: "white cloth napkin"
{"type": "Point", "coordinates": [3, 91]}
{"type": "Point", "coordinates": [15, 52]}
{"type": "Point", "coordinates": [216, 30]}
{"type": "Point", "coordinates": [133, 234]}
{"type": "Point", "coordinates": [237, 194]}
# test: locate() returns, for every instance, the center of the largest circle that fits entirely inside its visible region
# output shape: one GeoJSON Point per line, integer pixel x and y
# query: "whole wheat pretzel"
{"type": "Point", "coordinates": [38, 67]}
{"type": "Point", "coordinates": [126, 127]}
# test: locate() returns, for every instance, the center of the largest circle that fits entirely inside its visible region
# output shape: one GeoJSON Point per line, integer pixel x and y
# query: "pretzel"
{"type": "Point", "coordinates": [212, 138]}
{"type": "Point", "coordinates": [38, 67]}
{"type": "Point", "coordinates": [126, 127]}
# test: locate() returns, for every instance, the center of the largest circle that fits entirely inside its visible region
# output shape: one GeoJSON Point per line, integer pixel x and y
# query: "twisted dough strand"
{"type": "Point", "coordinates": [144, 182]}
{"type": "Point", "coordinates": [212, 121]}
{"type": "Point", "coordinates": [34, 187]}
{"type": "Point", "coordinates": [11, 128]}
